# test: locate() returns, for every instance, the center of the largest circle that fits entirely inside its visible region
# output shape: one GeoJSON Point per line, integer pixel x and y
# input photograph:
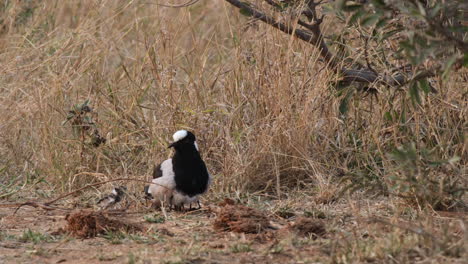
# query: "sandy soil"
{"type": "Point", "coordinates": [183, 238]}
{"type": "Point", "coordinates": [31, 236]}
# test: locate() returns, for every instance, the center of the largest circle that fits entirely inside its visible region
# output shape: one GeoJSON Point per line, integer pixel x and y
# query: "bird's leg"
{"type": "Point", "coordinates": [199, 205]}
{"type": "Point", "coordinates": [171, 203]}
{"type": "Point", "coordinates": [182, 208]}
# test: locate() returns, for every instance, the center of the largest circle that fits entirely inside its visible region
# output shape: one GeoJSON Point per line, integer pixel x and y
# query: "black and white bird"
{"type": "Point", "coordinates": [180, 181]}
{"type": "Point", "coordinates": [113, 198]}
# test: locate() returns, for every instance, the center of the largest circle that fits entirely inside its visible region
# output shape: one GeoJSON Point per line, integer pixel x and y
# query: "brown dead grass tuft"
{"type": "Point", "coordinates": [241, 219]}
{"type": "Point", "coordinates": [227, 201]}
{"type": "Point", "coordinates": [88, 223]}
{"type": "Point", "coordinates": [305, 226]}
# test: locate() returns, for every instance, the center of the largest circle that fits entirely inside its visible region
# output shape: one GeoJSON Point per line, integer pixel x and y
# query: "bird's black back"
{"type": "Point", "coordinates": [191, 175]}
{"type": "Point", "coordinates": [157, 172]}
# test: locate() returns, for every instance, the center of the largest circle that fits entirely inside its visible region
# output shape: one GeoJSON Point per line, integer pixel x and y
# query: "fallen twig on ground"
{"type": "Point", "coordinates": [46, 205]}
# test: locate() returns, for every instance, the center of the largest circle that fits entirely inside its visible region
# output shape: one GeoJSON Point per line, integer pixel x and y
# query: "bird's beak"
{"type": "Point", "coordinates": [171, 145]}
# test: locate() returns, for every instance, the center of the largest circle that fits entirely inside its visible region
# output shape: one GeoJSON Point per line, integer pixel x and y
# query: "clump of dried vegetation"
{"type": "Point", "coordinates": [241, 219]}
{"type": "Point", "coordinates": [270, 117]}
{"type": "Point", "coordinates": [306, 226]}
{"type": "Point", "coordinates": [88, 224]}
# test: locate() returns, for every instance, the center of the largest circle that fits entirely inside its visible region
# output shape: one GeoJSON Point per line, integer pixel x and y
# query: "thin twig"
{"type": "Point", "coordinates": [366, 53]}
{"type": "Point", "coordinates": [96, 184]}
{"type": "Point", "coordinates": [304, 35]}
{"type": "Point", "coordinates": [46, 205]}
{"type": "Point", "coordinates": [315, 37]}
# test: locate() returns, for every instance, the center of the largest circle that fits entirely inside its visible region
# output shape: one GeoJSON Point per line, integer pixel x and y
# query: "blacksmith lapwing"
{"type": "Point", "coordinates": [182, 179]}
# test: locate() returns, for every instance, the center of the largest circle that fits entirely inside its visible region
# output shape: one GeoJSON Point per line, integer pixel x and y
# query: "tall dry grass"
{"type": "Point", "coordinates": [259, 101]}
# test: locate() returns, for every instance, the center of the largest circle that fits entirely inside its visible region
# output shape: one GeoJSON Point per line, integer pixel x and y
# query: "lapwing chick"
{"type": "Point", "coordinates": [180, 181]}
{"type": "Point", "coordinates": [113, 198]}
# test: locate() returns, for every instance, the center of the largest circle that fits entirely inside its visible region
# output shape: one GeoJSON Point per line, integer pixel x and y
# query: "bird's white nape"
{"type": "Point", "coordinates": [179, 135]}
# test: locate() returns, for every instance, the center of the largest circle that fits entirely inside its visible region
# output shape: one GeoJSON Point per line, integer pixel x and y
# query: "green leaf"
{"type": "Point", "coordinates": [390, 33]}
{"type": "Point", "coordinates": [435, 10]}
{"type": "Point", "coordinates": [381, 23]}
{"type": "Point", "coordinates": [370, 20]}
{"type": "Point", "coordinates": [246, 12]}
{"type": "Point", "coordinates": [406, 45]}
{"type": "Point", "coordinates": [340, 86]}
{"type": "Point", "coordinates": [424, 85]}
{"type": "Point", "coordinates": [448, 66]}
{"type": "Point", "coordinates": [403, 116]}
{"type": "Point", "coordinates": [421, 9]}
{"type": "Point", "coordinates": [344, 104]}
{"type": "Point", "coordinates": [340, 16]}
{"type": "Point", "coordinates": [411, 151]}
{"type": "Point", "coordinates": [454, 160]}
{"type": "Point", "coordinates": [458, 29]}
{"type": "Point", "coordinates": [388, 116]}
{"type": "Point", "coordinates": [414, 93]}
{"type": "Point", "coordinates": [154, 219]}
{"type": "Point", "coordinates": [340, 4]}
{"type": "Point", "coordinates": [378, 3]}
{"type": "Point", "coordinates": [398, 154]}
{"type": "Point", "coordinates": [465, 60]}
{"type": "Point", "coordinates": [354, 18]}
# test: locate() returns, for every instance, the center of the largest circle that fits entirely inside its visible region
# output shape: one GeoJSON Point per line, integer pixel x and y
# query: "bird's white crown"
{"type": "Point", "coordinates": [179, 135]}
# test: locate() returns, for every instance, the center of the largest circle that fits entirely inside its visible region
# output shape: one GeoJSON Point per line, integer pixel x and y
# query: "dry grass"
{"type": "Point", "coordinates": [259, 101]}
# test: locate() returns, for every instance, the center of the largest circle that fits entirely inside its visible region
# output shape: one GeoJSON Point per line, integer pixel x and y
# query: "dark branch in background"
{"type": "Point", "coordinates": [299, 33]}
{"type": "Point", "coordinates": [314, 37]}
{"type": "Point", "coordinates": [366, 53]}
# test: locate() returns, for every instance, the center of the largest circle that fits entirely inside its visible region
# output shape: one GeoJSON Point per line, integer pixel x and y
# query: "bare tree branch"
{"type": "Point", "coordinates": [314, 37]}
{"type": "Point", "coordinates": [306, 36]}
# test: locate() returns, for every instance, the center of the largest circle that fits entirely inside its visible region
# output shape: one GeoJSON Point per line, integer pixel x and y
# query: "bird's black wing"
{"type": "Point", "coordinates": [110, 198]}
{"type": "Point", "coordinates": [157, 172]}
{"type": "Point", "coordinates": [113, 198]}
{"type": "Point", "coordinates": [148, 195]}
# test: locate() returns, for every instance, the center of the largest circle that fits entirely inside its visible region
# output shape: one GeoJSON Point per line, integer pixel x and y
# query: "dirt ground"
{"type": "Point", "coordinates": [333, 233]}
{"type": "Point", "coordinates": [186, 237]}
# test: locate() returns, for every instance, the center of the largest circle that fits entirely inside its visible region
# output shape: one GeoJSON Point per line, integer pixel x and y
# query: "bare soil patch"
{"type": "Point", "coordinates": [232, 233]}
